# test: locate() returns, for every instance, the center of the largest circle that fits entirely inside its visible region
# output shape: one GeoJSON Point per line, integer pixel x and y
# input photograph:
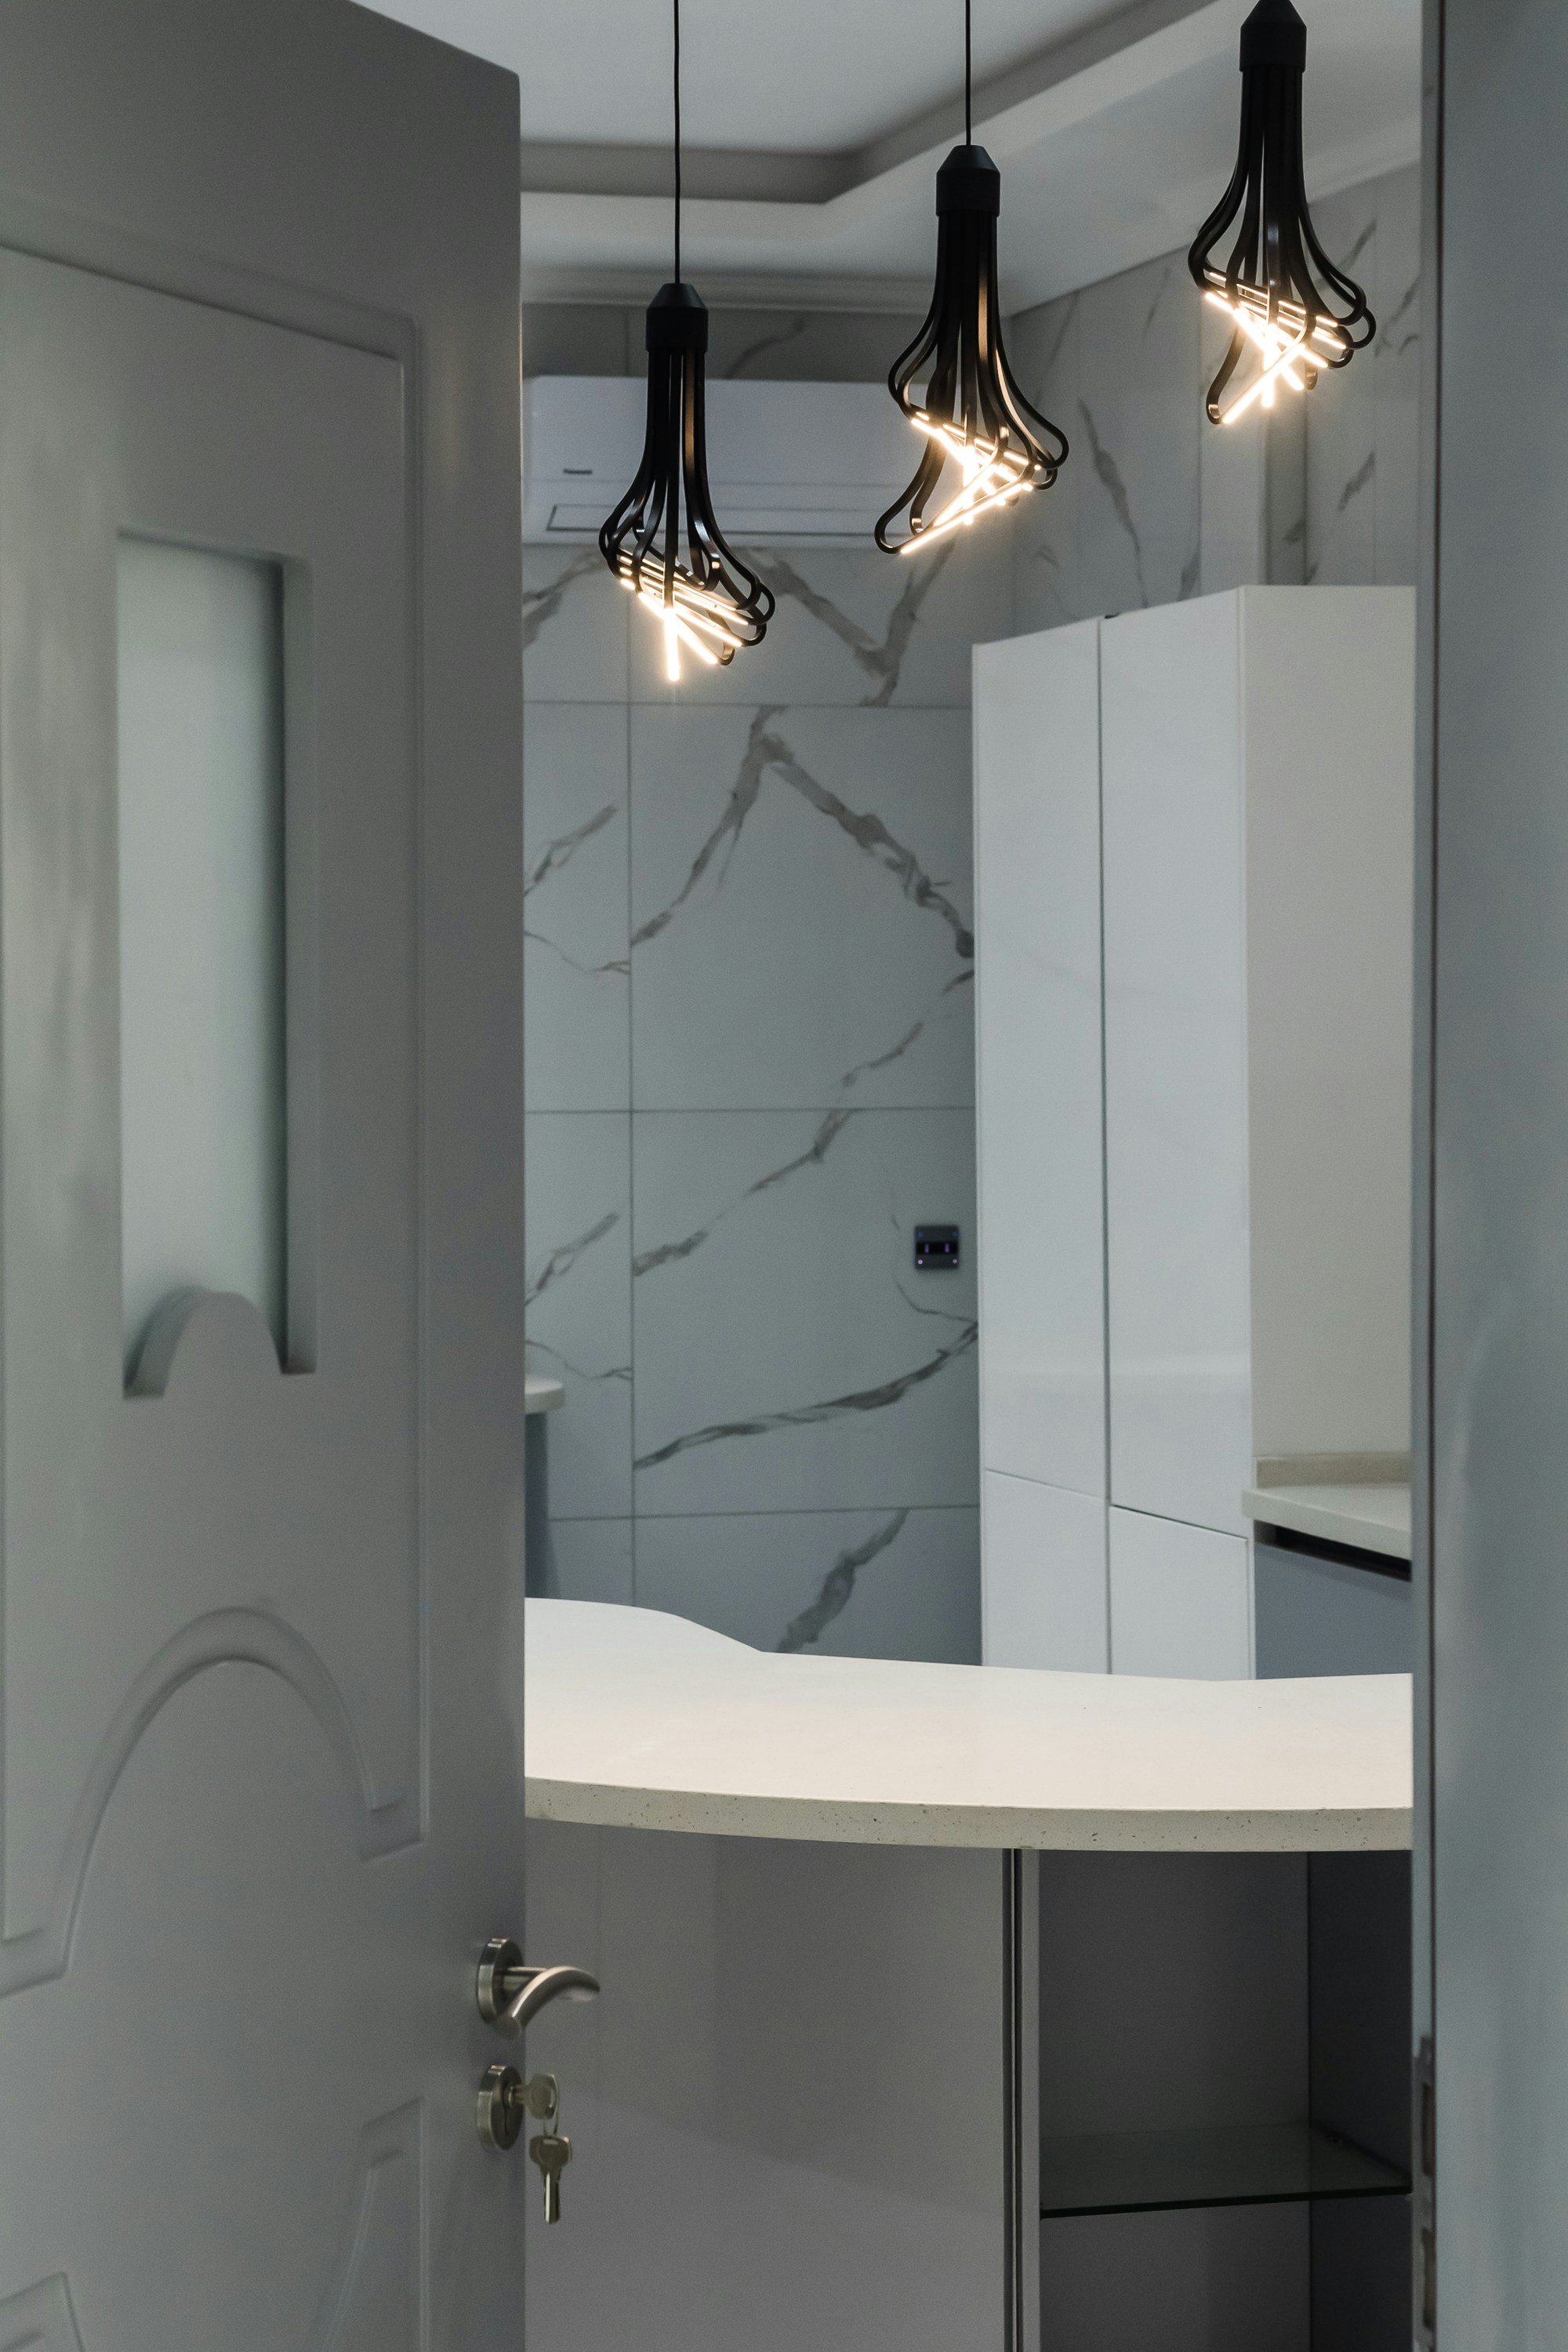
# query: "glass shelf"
{"type": "Point", "coordinates": [1268, 2164]}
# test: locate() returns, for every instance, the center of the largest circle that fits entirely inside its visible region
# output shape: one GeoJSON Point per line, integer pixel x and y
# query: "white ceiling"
{"type": "Point", "coordinates": [813, 128]}
{"type": "Point", "coordinates": [811, 75]}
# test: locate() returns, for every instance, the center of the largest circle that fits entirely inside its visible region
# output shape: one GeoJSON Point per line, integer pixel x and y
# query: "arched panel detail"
{"type": "Point", "coordinates": [383, 2234]}
{"type": "Point", "coordinates": [40, 2316]}
{"type": "Point", "coordinates": [204, 1333]}
{"type": "Point", "coordinates": [226, 1637]}
{"type": "Point", "coordinates": [383, 2229]}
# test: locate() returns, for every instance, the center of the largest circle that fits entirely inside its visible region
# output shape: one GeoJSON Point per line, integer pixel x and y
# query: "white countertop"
{"type": "Point", "coordinates": [1376, 1518]}
{"type": "Point", "coordinates": [638, 1720]}
{"type": "Point", "coordinates": [540, 1394]}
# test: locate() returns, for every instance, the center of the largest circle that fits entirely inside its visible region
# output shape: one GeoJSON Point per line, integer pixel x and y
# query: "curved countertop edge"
{"type": "Point", "coordinates": [708, 1813]}
{"type": "Point", "coordinates": [637, 1719]}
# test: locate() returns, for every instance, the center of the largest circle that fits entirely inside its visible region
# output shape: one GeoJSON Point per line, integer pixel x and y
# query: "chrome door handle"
{"type": "Point", "coordinates": [511, 1996]}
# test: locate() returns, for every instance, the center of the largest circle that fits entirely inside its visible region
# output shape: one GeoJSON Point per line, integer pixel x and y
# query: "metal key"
{"type": "Point", "coordinates": [541, 2094]}
{"type": "Point", "coordinates": [551, 2151]}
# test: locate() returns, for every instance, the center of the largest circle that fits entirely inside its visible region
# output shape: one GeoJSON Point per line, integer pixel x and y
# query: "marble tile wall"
{"type": "Point", "coordinates": [1120, 366]}
{"type": "Point", "coordinates": [748, 1012]}
{"type": "Point", "coordinates": [1364, 443]}
{"type": "Point", "coordinates": [750, 1075]}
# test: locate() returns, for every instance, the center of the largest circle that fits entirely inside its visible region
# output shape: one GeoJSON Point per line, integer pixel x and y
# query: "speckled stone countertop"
{"type": "Point", "coordinates": [638, 1720]}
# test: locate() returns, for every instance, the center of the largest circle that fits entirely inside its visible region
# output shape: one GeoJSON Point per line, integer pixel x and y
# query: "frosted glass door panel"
{"type": "Point", "coordinates": [1036, 872]}
{"type": "Point", "coordinates": [1176, 1064]}
{"type": "Point", "coordinates": [201, 930]}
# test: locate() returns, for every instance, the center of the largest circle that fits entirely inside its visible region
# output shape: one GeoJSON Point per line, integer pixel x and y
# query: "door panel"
{"type": "Point", "coordinates": [219, 1482]}
{"type": "Point", "coordinates": [261, 1594]}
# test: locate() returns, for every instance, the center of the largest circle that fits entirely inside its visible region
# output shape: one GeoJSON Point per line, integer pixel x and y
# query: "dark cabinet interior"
{"type": "Point", "coordinates": [1225, 2068]}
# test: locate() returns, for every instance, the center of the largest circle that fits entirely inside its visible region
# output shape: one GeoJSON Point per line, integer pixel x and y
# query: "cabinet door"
{"type": "Point", "coordinates": [1036, 876]}
{"type": "Point", "coordinates": [1042, 1576]}
{"type": "Point", "coordinates": [1176, 1064]}
{"type": "Point", "coordinates": [1180, 1600]}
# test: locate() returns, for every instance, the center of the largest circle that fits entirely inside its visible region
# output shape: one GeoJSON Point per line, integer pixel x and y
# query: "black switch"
{"type": "Point", "coordinates": [936, 1248]}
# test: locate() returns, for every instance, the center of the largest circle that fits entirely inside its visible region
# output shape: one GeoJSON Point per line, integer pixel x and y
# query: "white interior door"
{"type": "Point", "coordinates": [260, 1364]}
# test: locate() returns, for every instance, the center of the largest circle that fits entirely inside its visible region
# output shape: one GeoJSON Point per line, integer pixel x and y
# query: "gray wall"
{"type": "Point", "coordinates": [750, 1059]}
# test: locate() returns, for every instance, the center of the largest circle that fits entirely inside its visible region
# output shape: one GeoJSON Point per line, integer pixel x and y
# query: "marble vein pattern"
{"type": "Point", "coordinates": [542, 604]}
{"type": "Point", "coordinates": [577, 968]}
{"type": "Point", "coordinates": [767, 750]}
{"type": "Point", "coordinates": [772, 340]}
{"type": "Point", "coordinates": [854, 627]}
{"type": "Point", "coordinates": [575, 628]}
{"type": "Point", "coordinates": [1113, 364]}
{"type": "Point", "coordinates": [882, 658]}
{"type": "Point", "coordinates": [578, 1236]}
{"type": "Point", "coordinates": [816, 1150]}
{"type": "Point", "coordinates": [557, 853]}
{"type": "Point", "coordinates": [564, 1256]}
{"type": "Point", "coordinates": [791, 1357]}
{"type": "Point", "coordinates": [1363, 427]}
{"type": "Point", "coordinates": [805, 1631]}
{"type": "Point", "coordinates": [899, 1583]}
{"type": "Point", "coordinates": [806, 1417]}
{"type": "Point", "coordinates": [801, 921]}
{"type": "Point", "coordinates": [1108, 474]}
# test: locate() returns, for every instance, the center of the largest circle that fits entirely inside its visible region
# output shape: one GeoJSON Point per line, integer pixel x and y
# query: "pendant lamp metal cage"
{"type": "Point", "coordinates": [663, 540]}
{"type": "Point", "coordinates": [972, 411]}
{"type": "Point", "coordinates": [1295, 310]}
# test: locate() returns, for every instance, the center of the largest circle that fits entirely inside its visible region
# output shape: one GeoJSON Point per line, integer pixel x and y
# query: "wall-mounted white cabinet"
{"type": "Point", "coordinates": [1194, 873]}
{"type": "Point", "coordinates": [1054, 1608]}
{"type": "Point", "coordinates": [1039, 1044]}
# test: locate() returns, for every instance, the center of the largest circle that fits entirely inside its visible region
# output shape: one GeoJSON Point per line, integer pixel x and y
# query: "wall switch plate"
{"type": "Point", "coordinates": [936, 1248]}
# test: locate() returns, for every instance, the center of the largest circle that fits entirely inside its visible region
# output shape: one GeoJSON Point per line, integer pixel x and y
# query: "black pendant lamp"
{"type": "Point", "coordinates": [1293, 311]}
{"type": "Point", "coordinates": [972, 414]}
{"type": "Point", "coordinates": [662, 541]}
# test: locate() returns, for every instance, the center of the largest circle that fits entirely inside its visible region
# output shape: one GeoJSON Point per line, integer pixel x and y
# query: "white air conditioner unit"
{"type": "Point", "coordinates": [788, 463]}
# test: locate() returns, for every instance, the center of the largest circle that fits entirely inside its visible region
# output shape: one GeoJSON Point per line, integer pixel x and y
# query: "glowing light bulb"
{"type": "Point", "coordinates": [1291, 347]}
{"type": "Point", "coordinates": [990, 478]}
{"type": "Point", "coordinates": [692, 615]}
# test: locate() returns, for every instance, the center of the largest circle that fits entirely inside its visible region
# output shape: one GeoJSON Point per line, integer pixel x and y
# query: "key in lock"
{"type": "Point", "coordinates": [505, 2101]}
{"type": "Point", "coordinates": [551, 2151]}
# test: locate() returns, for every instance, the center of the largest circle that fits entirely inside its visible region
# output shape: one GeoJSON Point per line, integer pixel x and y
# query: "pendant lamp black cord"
{"type": "Point", "coordinates": [968, 76]}
{"type": "Point", "coordinates": [677, 7]}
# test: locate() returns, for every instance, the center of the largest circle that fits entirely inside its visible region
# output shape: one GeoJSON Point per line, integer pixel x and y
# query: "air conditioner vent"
{"type": "Point", "coordinates": [790, 463]}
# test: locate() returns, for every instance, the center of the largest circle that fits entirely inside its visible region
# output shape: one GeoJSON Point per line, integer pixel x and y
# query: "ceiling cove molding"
{"type": "Point", "coordinates": [1067, 82]}
{"type": "Point", "coordinates": [725, 174]}
{"type": "Point", "coordinates": [1329, 173]}
{"type": "Point", "coordinates": [595, 237]}
{"type": "Point", "coordinates": [731, 291]}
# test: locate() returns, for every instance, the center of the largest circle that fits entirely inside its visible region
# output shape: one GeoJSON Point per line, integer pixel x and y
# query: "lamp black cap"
{"type": "Point", "coordinates": [1274, 34]}
{"type": "Point", "coordinates": [968, 182]}
{"type": "Point", "coordinates": [677, 321]}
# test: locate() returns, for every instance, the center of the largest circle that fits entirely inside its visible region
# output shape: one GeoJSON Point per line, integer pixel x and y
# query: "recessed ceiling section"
{"type": "Point", "coordinates": [816, 75]}
{"type": "Point", "coordinates": [814, 133]}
